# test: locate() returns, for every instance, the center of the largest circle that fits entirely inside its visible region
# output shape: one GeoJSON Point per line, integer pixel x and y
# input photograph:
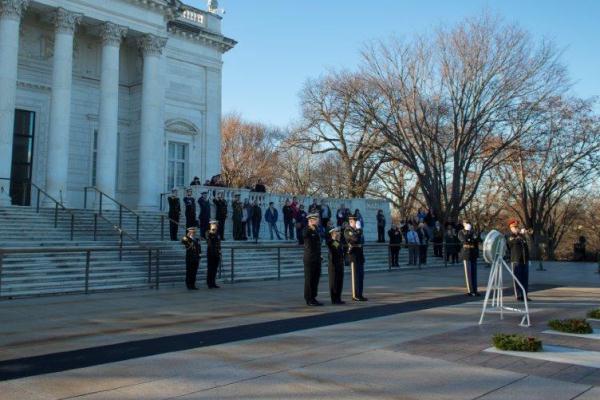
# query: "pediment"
{"type": "Point", "coordinates": [182, 126]}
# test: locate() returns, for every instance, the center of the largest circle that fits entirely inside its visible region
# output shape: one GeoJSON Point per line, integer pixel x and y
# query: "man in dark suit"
{"type": "Point", "coordinates": [519, 257]}
{"type": "Point", "coordinates": [312, 260]}
{"type": "Point", "coordinates": [395, 236]}
{"type": "Point", "coordinates": [204, 217]}
{"type": "Point", "coordinates": [221, 213]}
{"type": "Point", "coordinates": [174, 213]}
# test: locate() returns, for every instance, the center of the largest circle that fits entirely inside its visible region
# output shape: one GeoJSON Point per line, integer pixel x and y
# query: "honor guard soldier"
{"type": "Point", "coordinates": [519, 257]}
{"type": "Point", "coordinates": [192, 257]}
{"type": "Point", "coordinates": [204, 216]}
{"type": "Point", "coordinates": [470, 252]}
{"type": "Point", "coordinates": [213, 254]}
{"type": "Point", "coordinates": [312, 260]}
{"type": "Point", "coordinates": [336, 266]}
{"type": "Point", "coordinates": [190, 209]}
{"type": "Point", "coordinates": [354, 241]}
{"type": "Point", "coordinates": [174, 213]}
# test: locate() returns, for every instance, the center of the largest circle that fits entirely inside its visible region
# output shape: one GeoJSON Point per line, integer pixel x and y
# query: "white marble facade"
{"type": "Point", "coordinates": [126, 95]}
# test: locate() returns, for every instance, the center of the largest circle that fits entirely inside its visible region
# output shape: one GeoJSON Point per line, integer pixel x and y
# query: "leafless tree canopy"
{"type": "Point", "coordinates": [447, 104]}
{"type": "Point", "coordinates": [549, 170]}
{"type": "Point", "coordinates": [333, 126]}
{"type": "Point", "coordinates": [249, 152]}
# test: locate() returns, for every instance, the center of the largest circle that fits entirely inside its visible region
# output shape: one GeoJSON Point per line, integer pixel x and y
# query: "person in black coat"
{"type": "Point", "coordinates": [395, 236]}
{"type": "Point", "coordinates": [213, 254]}
{"type": "Point", "coordinates": [220, 214]}
{"type": "Point", "coordinates": [193, 252]}
{"type": "Point", "coordinates": [312, 260]}
{"type": "Point", "coordinates": [519, 257]}
{"type": "Point", "coordinates": [424, 240]}
{"type": "Point", "coordinates": [288, 220]}
{"type": "Point", "coordinates": [354, 241]}
{"type": "Point", "coordinates": [204, 216]}
{"type": "Point", "coordinates": [190, 209]}
{"type": "Point", "coordinates": [380, 227]}
{"type": "Point", "coordinates": [174, 213]}
{"type": "Point", "coordinates": [256, 219]}
{"type": "Point", "coordinates": [301, 222]}
{"type": "Point", "coordinates": [470, 252]}
{"type": "Point", "coordinates": [336, 266]}
{"type": "Point", "coordinates": [438, 240]}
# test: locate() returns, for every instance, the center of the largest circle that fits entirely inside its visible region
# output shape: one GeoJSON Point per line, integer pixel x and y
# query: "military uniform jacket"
{"type": "Point", "coordinates": [190, 207]}
{"type": "Point", "coordinates": [518, 248]}
{"type": "Point", "coordinates": [174, 208]}
{"type": "Point", "coordinates": [354, 242]}
{"type": "Point", "coordinates": [192, 248]}
{"type": "Point", "coordinates": [213, 246]}
{"type": "Point", "coordinates": [312, 245]}
{"type": "Point", "coordinates": [470, 245]}
{"type": "Point", "coordinates": [221, 208]}
{"type": "Point", "coordinates": [204, 208]}
{"type": "Point", "coordinates": [336, 253]}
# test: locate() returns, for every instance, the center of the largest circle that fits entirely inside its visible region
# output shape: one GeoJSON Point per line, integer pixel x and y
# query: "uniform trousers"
{"type": "Point", "coordinates": [312, 274]}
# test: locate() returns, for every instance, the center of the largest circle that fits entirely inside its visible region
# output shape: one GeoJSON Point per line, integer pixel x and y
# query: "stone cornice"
{"type": "Point", "coordinates": [152, 45]}
{"type": "Point", "coordinates": [112, 34]}
{"type": "Point", "coordinates": [66, 21]}
{"type": "Point", "coordinates": [170, 8]}
{"type": "Point", "coordinates": [219, 42]}
{"type": "Point", "coordinates": [13, 9]}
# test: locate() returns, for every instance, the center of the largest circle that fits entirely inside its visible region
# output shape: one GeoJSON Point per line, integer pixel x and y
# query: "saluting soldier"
{"type": "Point", "coordinates": [519, 257]}
{"type": "Point", "coordinates": [174, 213]}
{"type": "Point", "coordinates": [213, 254]}
{"type": "Point", "coordinates": [221, 213]}
{"type": "Point", "coordinates": [470, 252]}
{"type": "Point", "coordinates": [192, 257]}
{"type": "Point", "coordinates": [354, 241]}
{"type": "Point", "coordinates": [190, 209]}
{"type": "Point", "coordinates": [336, 266]}
{"type": "Point", "coordinates": [312, 260]}
{"type": "Point", "coordinates": [238, 211]}
{"type": "Point", "coordinates": [204, 216]}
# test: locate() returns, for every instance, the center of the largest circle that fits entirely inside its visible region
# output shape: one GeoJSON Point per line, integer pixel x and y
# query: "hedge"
{"type": "Point", "coordinates": [571, 325]}
{"type": "Point", "coordinates": [515, 342]}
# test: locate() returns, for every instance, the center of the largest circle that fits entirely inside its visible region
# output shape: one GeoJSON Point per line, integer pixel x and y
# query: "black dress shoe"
{"type": "Point", "coordinates": [194, 288]}
{"type": "Point", "coordinates": [311, 303]}
{"type": "Point", "coordinates": [317, 303]}
{"type": "Point", "coordinates": [477, 294]}
{"type": "Point", "coordinates": [362, 298]}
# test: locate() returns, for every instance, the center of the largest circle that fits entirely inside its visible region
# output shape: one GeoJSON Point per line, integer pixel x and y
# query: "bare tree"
{"type": "Point", "coordinates": [332, 125]}
{"type": "Point", "coordinates": [398, 185]}
{"type": "Point", "coordinates": [549, 170]}
{"type": "Point", "coordinates": [447, 103]}
{"type": "Point", "coordinates": [296, 169]}
{"type": "Point", "coordinates": [249, 152]}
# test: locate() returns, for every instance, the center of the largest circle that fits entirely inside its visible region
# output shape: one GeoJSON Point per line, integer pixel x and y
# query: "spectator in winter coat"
{"type": "Point", "coordinates": [271, 216]}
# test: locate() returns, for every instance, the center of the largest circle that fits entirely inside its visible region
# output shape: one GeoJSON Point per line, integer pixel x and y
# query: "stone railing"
{"type": "Point", "coordinates": [368, 207]}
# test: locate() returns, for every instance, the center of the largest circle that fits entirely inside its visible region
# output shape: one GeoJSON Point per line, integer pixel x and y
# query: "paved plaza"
{"type": "Point", "coordinates": [417, 338]}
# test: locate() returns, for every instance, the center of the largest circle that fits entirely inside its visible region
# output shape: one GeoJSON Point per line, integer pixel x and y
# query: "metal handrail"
{"type": "Point", "coordinates": [119, 204]}
{"type": "Point", "coordinates": [57, 204]}
{"type": "Point", "coordinates": [87, 250]}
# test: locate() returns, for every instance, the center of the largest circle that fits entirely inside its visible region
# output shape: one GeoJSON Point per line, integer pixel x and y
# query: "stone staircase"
{"type": "Point", "coordinates": [50, 272]}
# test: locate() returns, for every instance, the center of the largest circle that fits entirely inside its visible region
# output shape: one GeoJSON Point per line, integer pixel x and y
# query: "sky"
{"type": "Point", "coordinates": [282, 43]}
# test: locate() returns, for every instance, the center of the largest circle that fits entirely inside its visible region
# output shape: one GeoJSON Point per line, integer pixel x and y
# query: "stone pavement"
{"type": "Point", "coordinates": [430, 353]}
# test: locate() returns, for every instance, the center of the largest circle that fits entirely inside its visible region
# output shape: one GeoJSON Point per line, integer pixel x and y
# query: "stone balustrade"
{"type": "Point", "coordinates": [368, 207]}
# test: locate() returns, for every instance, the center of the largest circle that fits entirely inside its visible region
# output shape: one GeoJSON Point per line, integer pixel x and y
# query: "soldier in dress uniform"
{"type": "Point", "coordinates": [354, 240]}
{"type": "Point", "coordinates": [336, 265]}
{"type": "Point", "coordinates": [192, 257]}
{"type": "Point", "coordinates": [238, 211]}
{"type": "Point", "coordinates": [395, 235]}
{"type": "Point", "coordinates": [312, 260]}
{"type": "Point", "coordinates": [204, 216]}
{"type": "Point", "coordinates": [174, 213]}
{"type": "Point", "coordinates": [470, 252]}
{"type": "Point", "coordinates": [213, 254]}
{"type": "Point", "coordinates": [221, 213]}
{"type": "Point", "coordinates": [519, 257]}
{"type": "Point", "coordinates": [190, 209]}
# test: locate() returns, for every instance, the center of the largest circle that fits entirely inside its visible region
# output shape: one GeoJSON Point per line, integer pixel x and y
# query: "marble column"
{"type": "Point", "coordinates": [106, 163]}
{"type": "Point", "coordinates": [151, 156]}
{"type": "Point", "coordinates": [57, 164]}
{"type": "Point", "coordinates": [10, 19]}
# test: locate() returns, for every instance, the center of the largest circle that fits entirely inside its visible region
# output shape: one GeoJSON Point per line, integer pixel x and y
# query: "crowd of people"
{"type": "Point", "coordinates": [342, 231]}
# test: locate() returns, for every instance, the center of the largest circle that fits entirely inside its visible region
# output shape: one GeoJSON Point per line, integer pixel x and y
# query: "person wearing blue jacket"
{"type": "Point", "coordinates": [271, 216]}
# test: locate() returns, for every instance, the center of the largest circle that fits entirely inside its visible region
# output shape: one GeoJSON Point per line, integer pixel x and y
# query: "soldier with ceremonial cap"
{"type": "Point", "coordinates": [204, 215]}
{"type": "Point", "coordinates": [312, 260]}
{"type": "Point", "coordinates": [190, 209]}
{"type": "Point", "coordinates": [519, 257]}
{"type": "Point", "coordinates": [213, 254]}
{"type": "Point", "coordinates": [174, 213]}
{"type": "Point", "coordinates": [336, 265]}
{"type": "Point", "coordinates": [470, 252]}
{"type": "Point", "coordinates": [192, 257]}
{"type": "Point", "coordinates": [354, 241]}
